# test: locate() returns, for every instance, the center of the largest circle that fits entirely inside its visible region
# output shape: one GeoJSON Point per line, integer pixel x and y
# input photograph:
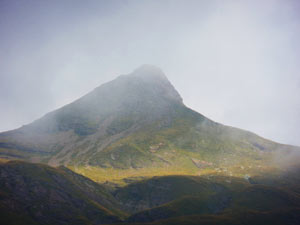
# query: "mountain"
{"type": "Point", "coordinates": [138, 122]}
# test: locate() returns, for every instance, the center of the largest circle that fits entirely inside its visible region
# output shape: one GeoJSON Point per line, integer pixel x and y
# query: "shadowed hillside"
{"type": "Point", "coordinates": [39, 194]}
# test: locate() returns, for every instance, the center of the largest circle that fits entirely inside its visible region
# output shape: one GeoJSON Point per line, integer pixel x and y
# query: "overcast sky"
{"type": "Point", "coordinates": [236, 62]}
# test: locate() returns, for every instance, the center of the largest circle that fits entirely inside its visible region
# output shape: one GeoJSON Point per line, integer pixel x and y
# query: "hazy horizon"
{"type": "Point", "coordinates": [234, 62]}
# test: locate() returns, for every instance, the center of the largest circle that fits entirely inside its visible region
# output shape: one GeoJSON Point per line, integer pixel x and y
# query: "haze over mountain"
{"type": "Point", "coordinates": [233, 61]}
{"type": "Point", "coordinates": [136, 121]}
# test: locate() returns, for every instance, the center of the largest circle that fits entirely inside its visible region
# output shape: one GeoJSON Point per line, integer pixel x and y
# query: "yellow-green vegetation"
{"type": "Point", "coordinates": [4, 160]}
{"type": "Point", "coordinates": [189, 146]}
{"type": "Point", "coordinates": [102, 175]}
{"type": "Point", "coordinates": [119, 176]}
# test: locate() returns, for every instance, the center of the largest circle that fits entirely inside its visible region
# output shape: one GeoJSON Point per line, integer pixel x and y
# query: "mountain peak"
{"type": "Point", "coordinates": [149, 71]}
{"type": "Point", "coordinates": [148, 68]}
{"type": "Point", "coordinates": [155, 81]}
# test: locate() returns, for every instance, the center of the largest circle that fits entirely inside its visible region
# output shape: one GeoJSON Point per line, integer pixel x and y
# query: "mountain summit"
{"type": "Point", "coordinates": [135, 121]}
{"type": "Point", "coordinates": [149, 71]}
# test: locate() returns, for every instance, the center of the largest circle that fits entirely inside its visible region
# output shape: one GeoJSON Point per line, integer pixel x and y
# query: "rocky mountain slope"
{"type": "Point", "coordinates": [138, 121]}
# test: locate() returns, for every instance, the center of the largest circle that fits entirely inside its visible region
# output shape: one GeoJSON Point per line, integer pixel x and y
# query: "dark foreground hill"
{"type": "Point", "coordinates": [39, 194]}
{"type": "Point", "coordinates": [215, 199]}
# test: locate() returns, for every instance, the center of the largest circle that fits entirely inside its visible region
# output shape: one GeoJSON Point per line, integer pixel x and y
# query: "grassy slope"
{"type": "Point", "coordinates": [189, 145]}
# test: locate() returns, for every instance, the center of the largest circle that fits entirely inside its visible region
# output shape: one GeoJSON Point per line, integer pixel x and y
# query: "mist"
{"type": "Point", "coordinates": [236, 62]}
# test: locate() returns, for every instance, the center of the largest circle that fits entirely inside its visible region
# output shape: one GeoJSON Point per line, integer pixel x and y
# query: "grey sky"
{"type": "Point", "coordinates": [236, 62]}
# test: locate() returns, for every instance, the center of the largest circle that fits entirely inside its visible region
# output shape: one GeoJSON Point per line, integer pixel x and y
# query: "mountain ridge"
{"type": "Point", "coordinates": [137, 121]}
